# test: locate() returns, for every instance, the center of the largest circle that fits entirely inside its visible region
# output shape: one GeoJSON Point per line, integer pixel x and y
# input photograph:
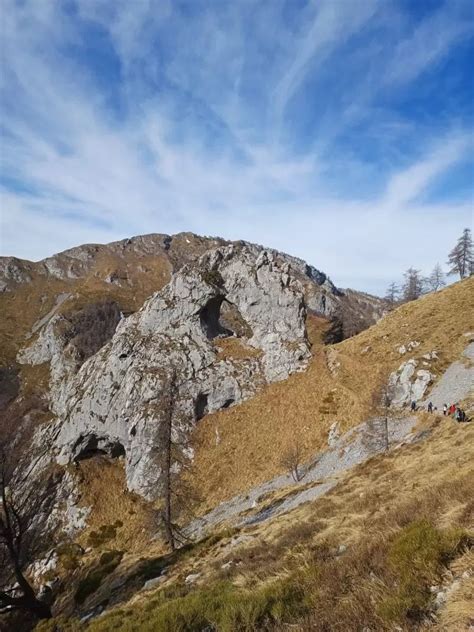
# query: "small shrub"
{"type": "Point", "coordinates": [105, 533]}
{"type": "Point", "coordinates": [69, 555]}
{"type": "Point", "coordinates": [148, 569]}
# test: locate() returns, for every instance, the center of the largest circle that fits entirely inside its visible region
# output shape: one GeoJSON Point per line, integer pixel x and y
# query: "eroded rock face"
{"type": "Point", "coordinates": [408, 384]}
{"type": "Point", "coordinates": [162, 361]}
{"type": "Point", "coordinates": [129, 266]}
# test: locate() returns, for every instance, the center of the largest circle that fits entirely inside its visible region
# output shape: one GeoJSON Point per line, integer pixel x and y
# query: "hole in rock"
{"type": "Point", "coordinates": [200, 406]}
{"type": "Point", "coordinates": [228, 403]}
{"type": "Point", "coordinates": [231, 318]}
{"type": "Point", "coordinates": [209, 318]}
{"type": "Point", "coordinates": [89, 446]}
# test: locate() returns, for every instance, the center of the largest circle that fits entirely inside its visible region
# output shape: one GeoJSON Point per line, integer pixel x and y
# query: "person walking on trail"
{"type": "Point", "coordinates": [413, 405]}
{"type": "Point", "coordinates": [457, 415]}
{"type": "Point", "coordinates": [430, 407]}
{"type": "Point", "coordinates": [445, 409]}
{"type": "Point", "coordinates": [452, 409]}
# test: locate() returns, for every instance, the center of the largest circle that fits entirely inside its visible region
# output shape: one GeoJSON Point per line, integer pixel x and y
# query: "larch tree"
{"type": "Point", "coordinates": [436, 280]}
{"type": "Point", "coordinates": [177, 497]}
{"type": "Point", "coordinates": [393, 294]}
{"type": "Point", "coordinates": [461, 257]}
{"type": "Point", "coordinates": [413, 285]}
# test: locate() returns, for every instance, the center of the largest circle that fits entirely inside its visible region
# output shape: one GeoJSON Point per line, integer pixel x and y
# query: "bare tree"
{"type": "Point", "coordinates": [413, 285]}
{"type": "Point", "coordinates": [385, 401]}
{"type": "Point", "coordinates": [177, 497]}
{"type": "Point", "coordinates": [25, 503]}
{"type": "Point", "coordinates": [461, 257]}
{"type": "Point", "coordinates": [377, 435]}
{"type": "Point", "coordinates": [436, 280]}
{"type": "Point", "coordinates": [291, 460]}
{"type": "Point", "coordinates": [393, 294]}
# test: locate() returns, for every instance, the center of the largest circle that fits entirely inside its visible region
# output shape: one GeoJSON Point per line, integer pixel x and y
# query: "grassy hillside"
{"type": "Point", "coordinates": [242, 446]}
{"type": "Point", "coordinates": [365, 556]}
{"type": "Point", "coordinates": [374, 553]}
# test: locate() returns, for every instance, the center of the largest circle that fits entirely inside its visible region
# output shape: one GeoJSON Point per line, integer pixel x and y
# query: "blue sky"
{"type": "Point", "coordinates": [340, 131]}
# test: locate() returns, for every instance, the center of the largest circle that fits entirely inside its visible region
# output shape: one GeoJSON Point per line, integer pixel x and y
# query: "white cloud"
{"type": "Point", "coordinates": [92, 176]}
{"type": "Point", "coordinates": [430, 42]}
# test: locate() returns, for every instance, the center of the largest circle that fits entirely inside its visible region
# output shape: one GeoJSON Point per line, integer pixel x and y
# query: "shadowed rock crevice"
{"type": "Point", "coordinates": [201, 406]}
{"type": "Point", "coordinates": [89, 329]}
{"type": "Point", "coordinates": [91, 445]}
{"type": "Point", "coordinates": [209, 317]}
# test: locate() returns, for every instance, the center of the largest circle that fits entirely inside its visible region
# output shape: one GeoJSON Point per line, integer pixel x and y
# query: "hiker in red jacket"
{"type": "Point", "coordinates": [452, 409]}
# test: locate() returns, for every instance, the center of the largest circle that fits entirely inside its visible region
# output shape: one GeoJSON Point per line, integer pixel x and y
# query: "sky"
{"type": "Point", "coordinates": [339, 131]}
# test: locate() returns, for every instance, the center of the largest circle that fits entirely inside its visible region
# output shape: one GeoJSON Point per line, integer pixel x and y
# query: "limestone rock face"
{"type": "Point", "coordinates": [163, 363]}
{"type": "Point", "coordinates": [408, 383]}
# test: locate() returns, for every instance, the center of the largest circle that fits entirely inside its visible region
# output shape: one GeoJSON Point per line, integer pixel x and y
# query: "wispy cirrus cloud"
{"type": "Point", "coordinates": [264, 121]}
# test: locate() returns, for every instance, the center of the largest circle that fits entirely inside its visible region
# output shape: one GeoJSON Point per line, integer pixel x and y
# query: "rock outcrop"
{"type": "Point", "coordinates": [408, 384]}
{"type": "Point", "coordinates": [163, 363]}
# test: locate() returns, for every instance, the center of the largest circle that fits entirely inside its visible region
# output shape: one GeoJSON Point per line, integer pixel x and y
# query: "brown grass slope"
{"type": "Point", "coordinates": [254, 435]}
{"type": "Point", "coordinates": [364, 556]}
{"type": "Point", "coordinates": [370, 555]}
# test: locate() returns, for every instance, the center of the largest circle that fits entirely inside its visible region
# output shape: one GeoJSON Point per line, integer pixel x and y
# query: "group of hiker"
{"type": "Point", "coordinates": [454, 410]}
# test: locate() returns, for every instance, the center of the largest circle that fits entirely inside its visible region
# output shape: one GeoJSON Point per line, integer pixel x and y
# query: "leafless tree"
{"type": "Point", "coordinates": [436, 279]}
{"type": "Point", "coordinates": [291, 461]}
{"type": "Point", "coordinates": [377, 436]}
{"type": "Point", "coordinates": [25, 504]}
{"type": "Point", "coordinates": [177, 497]}
{"type": "Point", "coordinates": [461, 257]}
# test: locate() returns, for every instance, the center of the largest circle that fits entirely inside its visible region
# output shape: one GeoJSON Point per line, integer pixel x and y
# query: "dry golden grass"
{"type": "Point", "coordinates": [458, 613]}
{"type": "Point", "coordinates": [234, 349]}
{"type": "Point", "coordinates": [427, 481]}
{"type": "Point", "coordinates": [254, 435]}
{"type": "Point", "coordinates": [29, 302]}
{"type": "Point", "coordinates": [103, 487]}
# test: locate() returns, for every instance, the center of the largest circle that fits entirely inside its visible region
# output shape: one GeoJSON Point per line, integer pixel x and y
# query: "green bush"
{"type": "Point", "coordinates": [222, 607]}
{"type": "Point", "coordinates": [69, 555]}
{"type": "Point", "coordinates": [59, 624]}
{"type": "Point", "coordinates": [415, 560]}
{"type": "Point", "coordinates": [213, 277]}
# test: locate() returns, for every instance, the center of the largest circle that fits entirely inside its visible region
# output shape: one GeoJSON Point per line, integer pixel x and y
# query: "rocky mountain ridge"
{"type": "Point", "coordinates": [118, 399]}
{"type": "Point", "coordinates": [132, 269]}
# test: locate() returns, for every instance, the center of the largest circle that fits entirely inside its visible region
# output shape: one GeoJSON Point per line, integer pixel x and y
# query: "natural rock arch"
{"type": "Point", "coordinates": [209, 318]}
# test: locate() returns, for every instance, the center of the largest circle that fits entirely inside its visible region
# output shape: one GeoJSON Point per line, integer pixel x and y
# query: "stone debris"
{"type": "Point", "coordinates": [192, 578]}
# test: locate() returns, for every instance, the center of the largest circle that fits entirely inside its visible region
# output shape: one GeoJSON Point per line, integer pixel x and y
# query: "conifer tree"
{"type": "Point", "coordinates": [413, 285]}
{"type": "Point", "coordinates": [393, 294]}
{"type": "Point", "coordinates": [461, 258]}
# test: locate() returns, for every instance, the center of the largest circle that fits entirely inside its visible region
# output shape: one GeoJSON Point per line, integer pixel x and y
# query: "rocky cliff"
{"type": "Point", "coordinates": [129, 271]}
{"type": "Point", "coordinates": [163, 360]}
